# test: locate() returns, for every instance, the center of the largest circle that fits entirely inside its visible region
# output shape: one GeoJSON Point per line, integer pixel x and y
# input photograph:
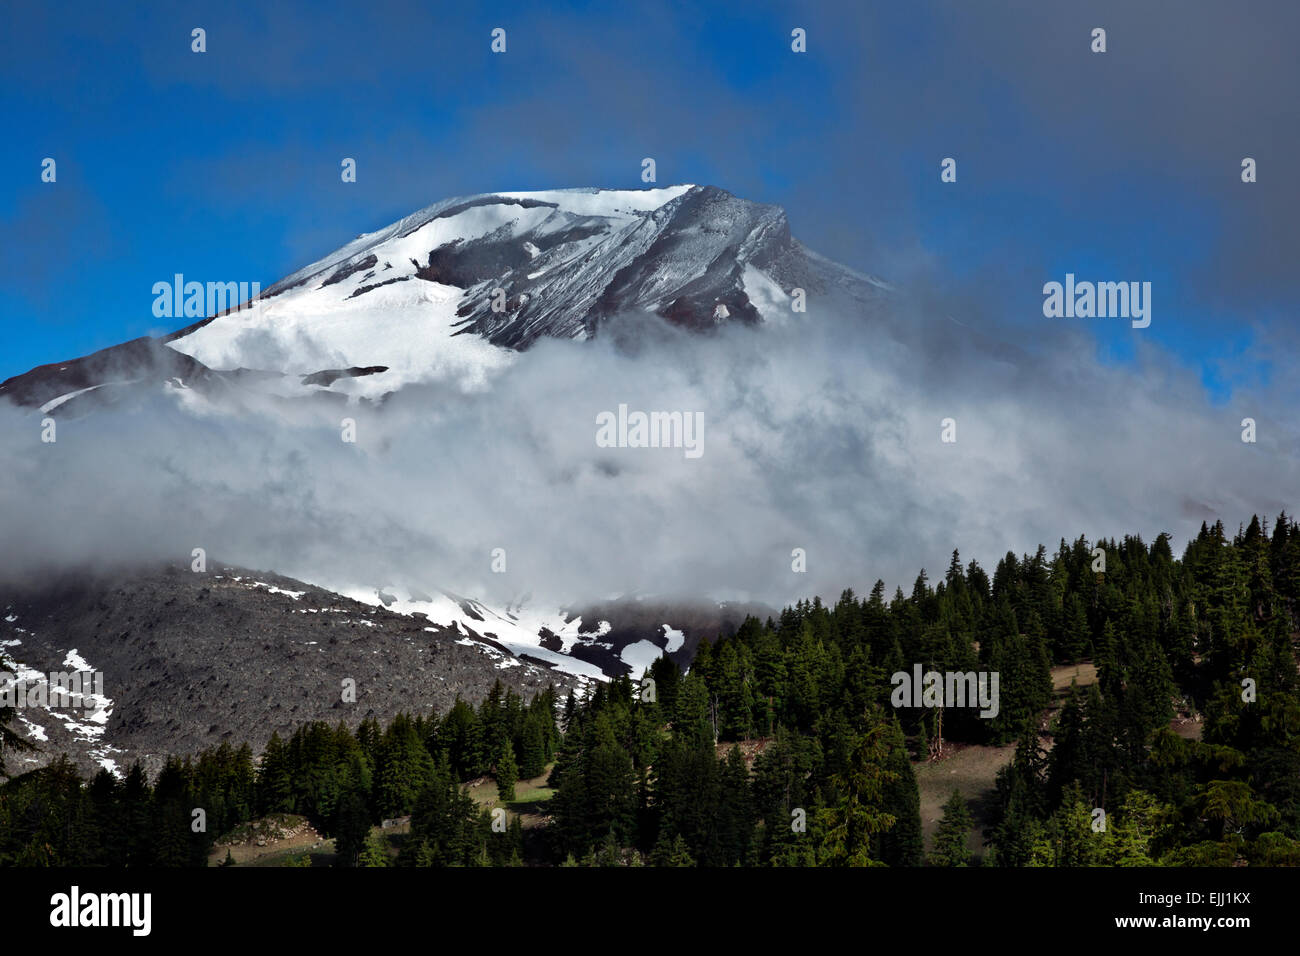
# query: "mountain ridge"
{"type": "Point", "coordinates": [413, 302]}
{"type": "Point", "coordinates": [456, 290]}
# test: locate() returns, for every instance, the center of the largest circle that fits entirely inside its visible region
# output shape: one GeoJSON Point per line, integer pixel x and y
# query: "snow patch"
{"type": "Point", "coordinates": [765, 295]}
{"type": "Point", "coordinates": [675, 639]}
{"type": "Point", "coordinates": [54, 403]}
{"type": "Point", "coordinates": [274, 590]}
{"type": "Point", "coordinates": [519, 631]}
{"type": "Point", "coordinates": [640, 656]}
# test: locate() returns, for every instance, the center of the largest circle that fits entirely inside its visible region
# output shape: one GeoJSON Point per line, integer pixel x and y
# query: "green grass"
{"type": "Point", "coordinates": [530, 795]}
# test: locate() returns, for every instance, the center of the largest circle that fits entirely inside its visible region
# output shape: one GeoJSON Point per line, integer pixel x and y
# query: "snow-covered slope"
{"type": "Point", "coordinates": [547, 637]}
{"type": "Point", "coordinates": [453, 291]}
{"type": "Point", "coordinates": [623, 636]}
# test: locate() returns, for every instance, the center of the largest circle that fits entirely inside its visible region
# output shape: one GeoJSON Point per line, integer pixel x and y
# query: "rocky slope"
{"type": "Point", "coordinates": [190, 659]}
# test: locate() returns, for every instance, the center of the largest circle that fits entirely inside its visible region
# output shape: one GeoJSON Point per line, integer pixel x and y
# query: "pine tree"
{"type": "Point", "coordinates": [1071, 832]}
{"type": "Point", "coordinates": [274, 785]}
{"type": "Point", "coordinates": [671, 852]}
{"type": "Point", "coordinates": [610, 854]}
{"type": "Point", "coordinates": [858, 814]}
{"type": "Point", "coordinates": [903, 843]}
{"type": "Point", "coordinates": [735, 814]}
{"type": "Point", "coordinates": [351, 828]}
{"type": "Point", "coordinates": [403, 769]}
{"type": "Point", "coordinates": [1132, 836]}
{"type": "Point", "coordinates": [951, 840]}
{"type": "Point", "coordinates": [374, 853]}
{"type": "Point", "coordinates": [507, 773]}
{"type": "Point", "coordinates": [532, 753]}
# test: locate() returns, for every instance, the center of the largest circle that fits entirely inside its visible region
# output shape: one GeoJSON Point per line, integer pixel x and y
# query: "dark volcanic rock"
{"type": "Point", "coordinates": [369, 262]}
{"type": "Point", "coordinates": [330, 375]}
{"type": "Point", "coordinates": [634, 620]}
{"type": "Point", "coordinates": [143, 361]}
{"type": "Point", "coordinates": [192, 659]}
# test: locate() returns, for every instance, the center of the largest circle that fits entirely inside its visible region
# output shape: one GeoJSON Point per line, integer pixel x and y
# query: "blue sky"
{"type": "Point", "coordinates": [225, 165]}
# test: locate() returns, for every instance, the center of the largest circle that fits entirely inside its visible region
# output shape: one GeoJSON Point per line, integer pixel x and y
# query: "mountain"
{"type": "Point", "coordinates": [192, 659]}
{"type": "Point", "coordinates": [455, 294]}
{"type": "Point", "coordinates": [455, 291]}
{"type": "Point", "coordinates": [598, 640]}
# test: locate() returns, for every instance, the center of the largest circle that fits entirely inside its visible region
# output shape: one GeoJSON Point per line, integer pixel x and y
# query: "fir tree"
{"type": "Point", "coordinates": [951, 840]}
{"type": "Point", "coordinates": [351, 828]}
{"type": "Point", "coordinates": [507, 773]}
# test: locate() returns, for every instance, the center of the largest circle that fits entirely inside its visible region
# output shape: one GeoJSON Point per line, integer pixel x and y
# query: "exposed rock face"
{"type": "Point", "coordinates": [192, 659]}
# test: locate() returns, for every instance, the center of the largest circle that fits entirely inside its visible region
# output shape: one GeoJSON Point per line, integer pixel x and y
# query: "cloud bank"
{"type": "Point", "coordinates": [823, 433]}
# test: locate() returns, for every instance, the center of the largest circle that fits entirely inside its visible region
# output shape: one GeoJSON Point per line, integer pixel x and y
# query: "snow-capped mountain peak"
{"type": "Point", "coordinates": [453, 292]}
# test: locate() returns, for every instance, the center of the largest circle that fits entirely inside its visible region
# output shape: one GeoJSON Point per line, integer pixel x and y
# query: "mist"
{"type": "Point", "coordinates": [822, 432]}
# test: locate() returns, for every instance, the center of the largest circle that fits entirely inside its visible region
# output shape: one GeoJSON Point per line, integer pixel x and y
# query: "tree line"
{"type": "Point", "coordinates": [781, 744]}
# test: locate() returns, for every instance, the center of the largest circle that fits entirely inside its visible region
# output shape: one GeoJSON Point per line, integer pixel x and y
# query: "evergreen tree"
{"type": "Point", "coordinates": [507, 773]}
{"type": "Point", "coordinates": [374, 853]}
{"type": "Point", "coordinates": [274, 786]}
{"type": "Point", "coordinates": [951, 840]}
{"type": "Point", "coordinates": [671, 852]}
{"type": "Point", "coordinates": [351, 828]}
{"type": "Point", "coordinates": [532, 754]}
{"type": "Point", "coordinates": [858, 814]}
{"type": "Point", "coordinates": [902, 844]}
